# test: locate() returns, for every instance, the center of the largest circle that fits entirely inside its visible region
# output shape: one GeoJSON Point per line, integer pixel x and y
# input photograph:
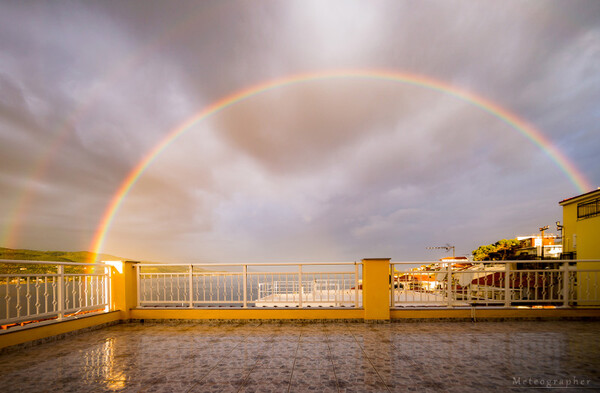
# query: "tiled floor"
{"type": "Point", "coordinates": [313, 357]}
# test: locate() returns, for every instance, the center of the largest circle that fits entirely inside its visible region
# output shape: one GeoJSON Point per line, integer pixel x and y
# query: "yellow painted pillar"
{"type": "Point", "coordinates": [376, 288]}
{"type": "Point", "coordinates": [123, 287]}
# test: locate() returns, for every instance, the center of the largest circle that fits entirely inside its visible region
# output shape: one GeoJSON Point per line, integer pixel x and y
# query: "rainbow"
{"type": "Point", "coordinates": [527, 130]}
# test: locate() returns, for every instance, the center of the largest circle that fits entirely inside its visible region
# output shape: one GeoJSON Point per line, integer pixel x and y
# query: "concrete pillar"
{"type": "Point", "coordinates": [123, 287]}
{"type": "Point", "coordinates": [376, 288]}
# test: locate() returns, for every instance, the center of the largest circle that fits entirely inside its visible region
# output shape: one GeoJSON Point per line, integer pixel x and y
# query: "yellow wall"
{"type": "Point", "coordinates": [588, 238]}
{"type": "Point", "coordinates": [38, 332]}
{"type": "Point", "coordinates": [124, 288]}
{"type": "Point", "coordinates": [569, 227]}
{"type": "Point", "coordinates": [482, 313]}
{"type": "Point", "coordinates": [376, 288]}
{"type": "Point", "coordinates": [586, 245]}
{"type": "Point", "coordinates": [249, 313]}
{"type": "Point", "coordinates": [586, 230]}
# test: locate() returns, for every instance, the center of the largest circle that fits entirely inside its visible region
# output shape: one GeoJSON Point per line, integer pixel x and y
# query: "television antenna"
{"type": "Point", "coordinates": [447, 247]}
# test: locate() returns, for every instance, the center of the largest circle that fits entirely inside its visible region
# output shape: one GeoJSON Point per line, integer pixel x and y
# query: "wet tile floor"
{"type": "Point", "coordinates": [313, 357]}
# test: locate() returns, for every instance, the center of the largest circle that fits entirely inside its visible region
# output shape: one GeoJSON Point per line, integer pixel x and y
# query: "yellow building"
{"type": "Point", "coordinates": [581, 240]}
{"type": "Point", "coordinates": [581, 226]}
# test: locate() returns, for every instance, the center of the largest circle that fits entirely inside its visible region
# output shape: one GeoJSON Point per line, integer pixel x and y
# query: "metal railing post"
{"type": "Point", "coordinates": [355, 284]}
{"type": "Point", "coordinates": [245, 284]}
{"type": "Point", "coordinates": [392, 284]}
{"type": "Point", "coordinates": [191, 283]}
{"type": "Point", "coordinates": [449, 285]}
{"type": "Point", "coordinates": [107, 289]}
{"type": "Point", "coordinates": [61, 292]}
{"type": "Point", "coordinates": [139, 287]}
{"type": "Point", "coordinates": [300, 286]}
{"type": "Point", "coordinates": [507, 295]}
{"type": "Point", "coordinates": [566, 284]}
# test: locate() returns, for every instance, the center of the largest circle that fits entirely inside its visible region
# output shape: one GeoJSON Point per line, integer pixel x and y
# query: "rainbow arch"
{"type": "Point", "coordinates": [520, 125]}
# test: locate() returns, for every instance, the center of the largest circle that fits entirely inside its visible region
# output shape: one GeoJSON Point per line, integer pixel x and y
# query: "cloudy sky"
{"type": "Point", "coordinates": [336, 169]}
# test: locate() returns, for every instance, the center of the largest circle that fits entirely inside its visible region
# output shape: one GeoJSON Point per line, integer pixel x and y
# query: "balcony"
{"type": "Point", "coordinates": [264, 326]}
{"type": "Point", "coordinates": [312, 357]}
{"type": "Point", "coordinates": [39, 293]}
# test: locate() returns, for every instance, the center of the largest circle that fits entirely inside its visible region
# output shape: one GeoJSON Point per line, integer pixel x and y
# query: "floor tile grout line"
{"type": "Point", "coordinates": [337, 384]}
{"type": "Point", "coordinates": [243, 384]}
{"type": "Point", "coordinates": [294, 364]}
{"type": "Point", "coordinates": [215, 366]}
{"type": "Point", "coordinates": [371, 363]}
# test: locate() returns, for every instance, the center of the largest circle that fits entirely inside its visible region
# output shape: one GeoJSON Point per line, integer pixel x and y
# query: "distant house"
{"type": "Point", "coordinates": [455, 260]}
{"type": "Point", "coordinates": [531, 247]}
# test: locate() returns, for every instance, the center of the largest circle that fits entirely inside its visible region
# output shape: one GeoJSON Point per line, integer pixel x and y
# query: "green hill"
{"type": "Point", "coordinates": [54, 256]}
{"type": "Point", "coordinates": [69, 256]}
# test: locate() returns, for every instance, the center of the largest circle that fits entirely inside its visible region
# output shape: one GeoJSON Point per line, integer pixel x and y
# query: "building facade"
{"type": "Point", "coordinates": [581, 241]}
{"type": "Point", "coordinates": [531, 247]}
{"type": "Point", "coordinates": [581, 226]}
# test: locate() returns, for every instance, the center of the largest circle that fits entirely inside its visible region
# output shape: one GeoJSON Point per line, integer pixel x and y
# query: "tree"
{"type": "Point", "coordinates": [504, 249]}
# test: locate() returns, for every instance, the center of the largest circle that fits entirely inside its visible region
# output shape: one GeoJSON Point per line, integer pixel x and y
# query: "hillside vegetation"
{"type": "Point", "coordinates": [68, 256]}
{"type": "Point", "coordinates": [54, 256]}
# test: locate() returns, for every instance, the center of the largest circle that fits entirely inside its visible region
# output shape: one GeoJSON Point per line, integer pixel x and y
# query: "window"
{"type": "Point", "coordinates": [588, 209]}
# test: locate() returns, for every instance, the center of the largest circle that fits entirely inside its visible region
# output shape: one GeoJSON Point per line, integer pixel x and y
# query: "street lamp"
{"type": "Point", "coordinates": [559, 228]}
{"type": "Point", "coordinates": [542, 229]}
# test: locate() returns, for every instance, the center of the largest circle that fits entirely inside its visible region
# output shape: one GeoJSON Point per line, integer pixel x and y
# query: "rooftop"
{"type": "Point", "coordinates": [576, 197]}
{"type": "Point", "coordinates": [311, 357]}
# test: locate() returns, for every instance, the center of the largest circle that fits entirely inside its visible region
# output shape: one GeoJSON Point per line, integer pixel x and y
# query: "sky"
{"type": "Point", "coordinates": [326, 169]}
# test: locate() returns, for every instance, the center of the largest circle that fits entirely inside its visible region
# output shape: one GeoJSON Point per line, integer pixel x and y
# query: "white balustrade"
{"type": "Point", "coordinates": [248, 285]}
{"type": "Point", "coordinates": [493, 283]}
{"type": "Point", "coordinates": [40, 290]}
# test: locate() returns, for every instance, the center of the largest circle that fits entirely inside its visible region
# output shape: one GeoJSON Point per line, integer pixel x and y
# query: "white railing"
{"type": "Point", "coordinates": [495, 283]}
{"type": "Point", "coordinates": [248, 285]}
{"type": "Point", "coordinates": [36, 291]}
{"type": "Point", "coordinates": [330, 290]}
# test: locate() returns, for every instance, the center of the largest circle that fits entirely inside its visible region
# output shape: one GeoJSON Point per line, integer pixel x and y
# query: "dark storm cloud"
{"type": "Point", "coordinates": [338, 169]}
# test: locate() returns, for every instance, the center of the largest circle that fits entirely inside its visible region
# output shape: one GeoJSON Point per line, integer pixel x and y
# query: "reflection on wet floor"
{"type": "Point", "coordinates": [312, 357]}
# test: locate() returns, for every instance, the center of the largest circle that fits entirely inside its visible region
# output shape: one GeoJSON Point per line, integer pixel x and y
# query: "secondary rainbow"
{"type": "Point", "coordinates": [527, 130]}
{"type": "Point", "coordinates": [9, 235]}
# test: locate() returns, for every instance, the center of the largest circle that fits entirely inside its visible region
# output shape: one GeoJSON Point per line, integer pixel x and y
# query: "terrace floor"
{"type": "Point", "coordinates": [313, 357]}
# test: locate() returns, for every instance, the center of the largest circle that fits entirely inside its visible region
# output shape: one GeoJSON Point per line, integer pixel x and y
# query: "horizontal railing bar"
{"type": "Point", "coordinates": [86, 308]}
{"type": "Point", "coordinates": [186, 302]}
{"type": "Point", "coordinates": [185, 274]}
{"type": "Point", "coordinates": [493, 262]}
{"type": "Point", "coordinates": [476, 307]}
{"type": "Point", "coordinates": [16, 275]}
{"type": "Point", "coordinates": [50, 314]}
{"type": "Point", "coordinates": [513, 271]}
{"type": "Point", "coordinates": [159, 305]}
{"type": "Point", "coordinates": [28, 318]}
{"type": "Point", "coordinates": [308, 299]}
{"type": "Point", "coordinates": [237, 273]}
{"type": "Point", "coordinates": [46, 322]}
{"type": "Point", "coordinates": [52, 263]}
{"type": "Point", "coordinates": [213, 273]}
{"type": "Point", "coordinates": [251, 264]}
{"type": "Point", "coordinates": [296, 273]}
{"type": "Point", "coordinates": [84, 275]}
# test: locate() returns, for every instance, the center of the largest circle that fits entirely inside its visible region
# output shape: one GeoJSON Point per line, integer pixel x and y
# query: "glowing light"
{"type": "Point", "coordinates": [118, 265]}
